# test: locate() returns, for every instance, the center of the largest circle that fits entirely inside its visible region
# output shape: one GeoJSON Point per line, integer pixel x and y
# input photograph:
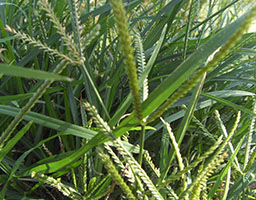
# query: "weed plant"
{"type": "Point", "coordinates": [127, 99]}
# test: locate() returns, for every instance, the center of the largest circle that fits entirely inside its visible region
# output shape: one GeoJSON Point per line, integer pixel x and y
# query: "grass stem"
{"type": "Point", "coordinates": [142, 139]}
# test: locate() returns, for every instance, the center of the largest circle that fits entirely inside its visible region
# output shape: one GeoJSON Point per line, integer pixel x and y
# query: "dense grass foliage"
{"type": "Point", "coordinates": [127, 99]}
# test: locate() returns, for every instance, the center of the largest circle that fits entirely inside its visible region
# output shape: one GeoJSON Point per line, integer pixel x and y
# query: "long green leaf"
{"type": "Point", "coordinates": [229, 103]}
{"type": "Point", "coordinates": [57, 165]}
{"type": "Point", "coordinates": [59, 125]}
{"type": "Point", "coordinates": [14, 140]}
{"type": "Point", "coordinates": [50, 122]}
{"type": "Point", "coordinates": [6, 99]}
{"type": "Point", "coordinates": [17, 71]}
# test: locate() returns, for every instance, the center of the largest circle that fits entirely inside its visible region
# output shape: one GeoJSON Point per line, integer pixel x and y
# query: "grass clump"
{"type": "Point", "coordinates": [128, 100]}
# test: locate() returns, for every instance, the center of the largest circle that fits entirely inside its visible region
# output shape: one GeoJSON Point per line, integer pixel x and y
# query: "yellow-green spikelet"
{"type": "Point", "coordinates": [108, 164]}
{"type": "Point", "coordinates": [126, 47]}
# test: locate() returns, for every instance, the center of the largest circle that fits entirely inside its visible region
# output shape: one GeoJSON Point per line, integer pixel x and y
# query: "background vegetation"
{"type": "Point", "coordinates": [133, 100]}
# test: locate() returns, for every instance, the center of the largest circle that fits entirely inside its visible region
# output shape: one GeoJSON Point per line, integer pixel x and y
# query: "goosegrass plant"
{"type": "Point", "coordinates": [127, 99]}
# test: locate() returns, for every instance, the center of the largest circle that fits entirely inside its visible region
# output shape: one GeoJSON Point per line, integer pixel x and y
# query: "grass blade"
{"type": "Point", "coordinates": [17, 71]}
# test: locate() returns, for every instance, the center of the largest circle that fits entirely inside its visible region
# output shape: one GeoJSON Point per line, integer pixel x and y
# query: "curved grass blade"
{"type": "Point", "coordinates": [17, 71]}
{"type": "Point", "coordinates": [6, 99]}
{"type": "Point", "coordinates": [57, 165]}
{"type": "Point", "coordinates": [59, 125]}
{"type": "Point", "coordinates": [14, 140]}
{"type": "Point", "coordinates": [50, 122]}
{"type": "Point", "coordinates": [222, 175]}
{"type": "Point", "coordinates": [229, 103]}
